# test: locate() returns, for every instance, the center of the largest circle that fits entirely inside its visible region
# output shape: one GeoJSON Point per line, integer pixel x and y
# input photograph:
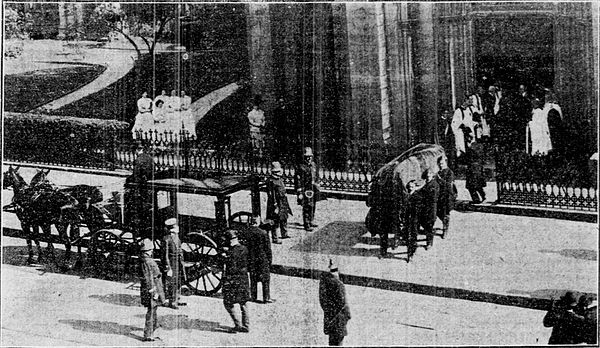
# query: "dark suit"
{"type": "Point", "coordinates": [277, 200]}
{"type": "Point", "coordinates": [332, 297]}
{"type": "Point", "coordinates": [430, 193]}
{"type": "Point", "coordinates": [566, 325]}
{"type": "Point", "coordinates": [475, 179]}
{"type": "Point", "coordinates": [138, 201]}
{"type": "Point", "coordinates": [151, 292]}
{"type": "Point", "coordinates": [447, 196]}
{"type": "Point", "coordinates": [260, 259]}
{"type": "Point", "coordinates": [172, 259]}
{"type": "Point", "coordinates": [411, 221]}
{"type": "Point", "coordinates": [235, 283]}
{"type": "Point", "coordinates": [305, 182]}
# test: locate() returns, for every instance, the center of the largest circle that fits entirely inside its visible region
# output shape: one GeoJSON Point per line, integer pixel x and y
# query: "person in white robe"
{"type": "Point", "coordinates": [539, 131]}
{"type": "Point", "coordinates": [186, 114]}
{"type": "Point", "coordinates": [462, 118]}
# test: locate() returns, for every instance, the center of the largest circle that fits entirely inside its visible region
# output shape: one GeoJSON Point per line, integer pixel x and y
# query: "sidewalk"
{"type": "Point", "coordinates": [512, 260]}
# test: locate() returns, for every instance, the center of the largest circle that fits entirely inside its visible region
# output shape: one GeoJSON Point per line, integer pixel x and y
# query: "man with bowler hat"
{"type": "Point", "coordinates": [278, 207]}
{"type": "Point", "coordinates": [563, 320]}
{"type": "Point", "coordinates": [332, 297]}
{"type": "Point", "coordinates": [172, 261]}
{"type": "Point", "coordinates": [235, 282]}
{"type": "Point", "coordinates": [307, 188]}
{"type": "Point", "coordinates": [151, 288]}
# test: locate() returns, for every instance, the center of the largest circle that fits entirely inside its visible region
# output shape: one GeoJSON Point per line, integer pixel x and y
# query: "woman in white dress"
{"type": "Point", "coordinates": [538, 128]}
{"type": "Point", "coordinates": [159, 117]}
{"type": "Point", "coordinates": [143, 120]}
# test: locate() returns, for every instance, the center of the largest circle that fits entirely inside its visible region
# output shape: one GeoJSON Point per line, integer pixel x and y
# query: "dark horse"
{"type": "Point", "coordinates": [41, 205]}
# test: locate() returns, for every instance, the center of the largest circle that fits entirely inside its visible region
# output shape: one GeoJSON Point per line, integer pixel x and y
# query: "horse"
{"type": "Point", "coordinates": [86, 196]}
{"type": "Point", "coordinates": [40, 206]}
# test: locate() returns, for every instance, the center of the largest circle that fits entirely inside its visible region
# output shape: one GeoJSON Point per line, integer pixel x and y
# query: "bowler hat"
{"type": "Point", "coordinates": [231, 234]}
{"type": "Point", "coordinates": [308, 151]}
{"type": "Point", "coordinates": [276, 167]}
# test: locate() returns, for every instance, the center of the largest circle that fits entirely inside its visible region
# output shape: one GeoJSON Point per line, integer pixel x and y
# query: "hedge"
{"type": "Point", "coordinates": [61, 139]}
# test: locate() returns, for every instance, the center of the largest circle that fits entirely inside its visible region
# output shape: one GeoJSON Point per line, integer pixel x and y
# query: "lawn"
{"type": "Point", "coordinates": [30, 90]}
{"type": "Point", "coordinates": [200, 74]}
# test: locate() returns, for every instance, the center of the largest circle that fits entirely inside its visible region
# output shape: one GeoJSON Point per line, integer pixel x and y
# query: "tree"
{"type": "Point", "coordinates": [146, 21]}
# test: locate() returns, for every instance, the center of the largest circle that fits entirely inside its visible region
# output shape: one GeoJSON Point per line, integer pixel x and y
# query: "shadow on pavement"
{"type": "Point", "coordinates": [106, 327]}
{"type": "Point", "coordinates": [114, 271]}
{"type": "Point", "coordinates": [119, 299]}
{"type": "Point", "coordinates": [182, 321]}
{"type": "Point", "coordinates": [547, 293]}
{"type": "Point", "coordinates": [339, 238]}
{"type": "Point", "coordinates": [580, 254]}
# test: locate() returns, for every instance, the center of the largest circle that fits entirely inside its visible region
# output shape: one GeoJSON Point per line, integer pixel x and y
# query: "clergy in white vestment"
{"type": "Point", "coordinates": [143, 119]}
{"type": "Point", "coordinates": [462, 118]}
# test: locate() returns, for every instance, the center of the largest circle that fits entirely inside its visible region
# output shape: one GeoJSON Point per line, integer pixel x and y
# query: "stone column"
{"type": "Point", "coordinates": [425, 66]}
{"type": "Point", "coordinates": [62, 17]}
{"type": "Point", "coordinates": [260, 56]}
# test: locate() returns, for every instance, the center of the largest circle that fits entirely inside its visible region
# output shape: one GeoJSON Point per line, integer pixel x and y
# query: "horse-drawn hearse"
{"type": "Point", "coordinates": [389, 196]}
{"type": "Point", "coordinates": [116, 226]}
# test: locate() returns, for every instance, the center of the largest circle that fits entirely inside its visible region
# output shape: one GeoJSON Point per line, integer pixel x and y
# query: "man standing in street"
{"type": "Point", "coordinates": [307, 188]}
{"type": "Point", "coordinates": [138, 200]}
{"type": "Point", "coordinates": [430, 193]}
{"type": "Point", "coordinates": [332, 297]}
{"type": "Point", "coordinates": [565, 323]}
{"type": "Point", "coordinates": [278, 207]}
{"type": "Point", "coordinates": [151, 288]}
{"type": "Point", "coordinates": [172, 260]}
{"type": "Point", "coordinates": [235, 282]}
{"type": "Point", "coordinates": [260, 258]}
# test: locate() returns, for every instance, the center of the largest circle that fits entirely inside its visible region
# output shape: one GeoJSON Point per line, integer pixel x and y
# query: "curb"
{"type": "Point", "coordinates": [462, 206]}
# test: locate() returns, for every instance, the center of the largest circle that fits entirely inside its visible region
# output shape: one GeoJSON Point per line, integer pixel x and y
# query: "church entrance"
{"type": "Point", "coordinates": [514, 50]}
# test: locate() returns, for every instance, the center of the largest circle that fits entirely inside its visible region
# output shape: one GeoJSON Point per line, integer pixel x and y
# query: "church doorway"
{"type": "Point", "coordinates": [514, 50]}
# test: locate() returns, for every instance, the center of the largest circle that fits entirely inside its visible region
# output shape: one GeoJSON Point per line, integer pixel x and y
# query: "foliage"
{"type": "Point", "coordinates": [146, 21]}
{"type": "Point", "coordinates": [64, 140]}
{"type": "Point", "coordinates": [26, 91]}
{"type": "Point", "coordinates": [16, 23]}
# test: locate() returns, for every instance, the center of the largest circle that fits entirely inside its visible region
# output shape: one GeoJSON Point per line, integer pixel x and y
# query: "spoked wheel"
{"type": "Point", "coordinates": [242, 217]}
{"type": "Point", "coordinates": [203, 264]}
{"type": "Point", "coordinates": [107, 248]}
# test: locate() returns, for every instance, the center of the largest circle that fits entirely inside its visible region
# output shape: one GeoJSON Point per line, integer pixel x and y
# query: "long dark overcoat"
{"type": "Point", "coordinates": [475, 177]}
{"type": "Point", "coordinates": [448, 192]}
{"type": "Point", "coordinates": [236, 287]}
{"type": "Point", "coordinates": [260, 256]}
{"type": "Point", "coordinates": [150, 279]}
{"type": "Point", "coordinates": [565, 324]}
{"type": "Point", "coordinates": [430, 195]}
{"type": "Point", "coordinates": [332, 297]}
{"type": "Point", "coordinates": [172, 257]}
{"type": "Point", "coordinates": [277, 199]}
{"type": "Point", "coordinates": [307, 178]}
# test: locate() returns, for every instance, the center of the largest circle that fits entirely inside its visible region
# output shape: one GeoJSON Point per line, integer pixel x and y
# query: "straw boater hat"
{"type": "Point", "coordinates": [146, 244]}
{"type": "Point", "coordinates": [172, 222]}
{"type": "Point", "coordinates": [308, 151]}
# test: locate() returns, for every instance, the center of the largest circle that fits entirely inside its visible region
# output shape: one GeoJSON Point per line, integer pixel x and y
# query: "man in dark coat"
{"type": "Point", "coordinates": [138, 201]}
{"type": "Point", "coordinates": [172, 260]}
{"type": "Point", "coordinates": [588, 309]}
{"type": "Point", "coordinates": [278, 207]}
{"type": "Point", "coordinates": [565, 323]}
{"type": "Point", "coordinates": [475, 179]}
{"type": "Point", "coordinates": [332, 297]}
{"type": "Point", "coordinates": [151, 288]}
{"type": "Point", "coordinates": [235, 282]}
{"type": "Point", "coordinates": [411, 217]}
{"type": "Point", "coordinates": [307, 188]}
{"type": "Point", "coordinates": [430, 193]}
{"type": "Point", "coordinates": [260, 259]}
{"type": "Point", "coordinates": [445, 179]}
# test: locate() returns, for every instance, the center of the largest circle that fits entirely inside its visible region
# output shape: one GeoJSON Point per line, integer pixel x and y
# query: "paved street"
{"type": "Point", "coordinates": [44, 308]}
{"type": "Point", "coordinates": [489, 258]}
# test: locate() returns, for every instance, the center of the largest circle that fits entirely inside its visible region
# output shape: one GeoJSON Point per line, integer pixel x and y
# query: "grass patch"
{"type": "Point", "coordinates": [27, 91]}
{"type": "Point", "coordinates": [200, 74]}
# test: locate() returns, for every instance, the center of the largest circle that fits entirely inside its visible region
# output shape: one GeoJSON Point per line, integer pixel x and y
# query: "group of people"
{"type": "Point", "coordinates": [166, 113]}
{"type": "Point", "coordinates": [424, 203]}
{"type": "Point", "coordinates": [513, 120]}
{"type": "Point", "coordinates": [573, 321]}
